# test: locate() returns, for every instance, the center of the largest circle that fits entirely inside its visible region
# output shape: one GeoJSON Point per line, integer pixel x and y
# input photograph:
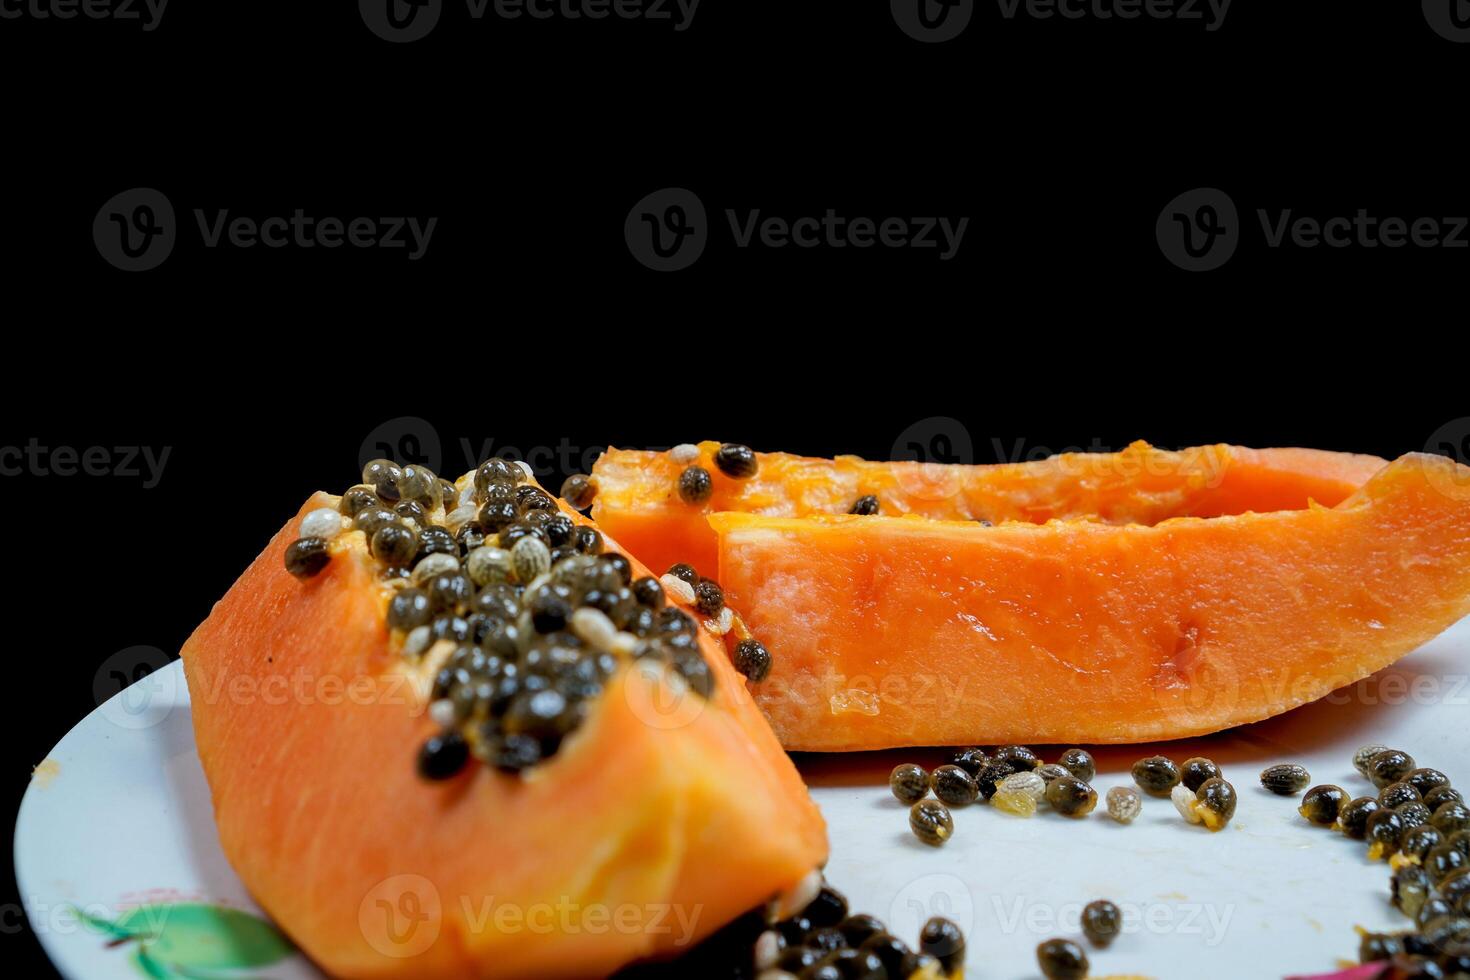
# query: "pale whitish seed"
{"type": "Point", "coordinates": [775, 975]}
{"type": "Point", "coordinates": [685, 452]}
{"type": "Point", "coordinates": [487, 564]}
{"type": "Point", "coordinates": [593, 626]}
{"type": "Point", "coordinates": [1051, 771]}
{"type": "Point", "coordinates": [530, 558]}
{"type": "Point", "coordinates": [721, 624]}
{"type": "Point", "coordinates": [460, 516]}
{"type": "Point", "coordinates": [799, 897]}
{"type": "Point", "coordinates": [1016, 801]}
{"type": "Point", "coordinates": [526, 468]}
{"type": "Point", "coordinates": [1024, 782]}
{"type": "Point", "coordinates": [767, 949]}
{"type": "Point", "coordinates": [677, 589]}
{"type": "Point", "coordinates": [432, 565]}
{"type": "Point", "coordinates": [1361, 757]}
{"type": "Point", "coordinates": [1183, 799]}
{"type": "Point", "coordinates": [418, 640]}
{"type": "Point", "coordinates": [442, 712]}
{"type": "Point", "coordinates": [467, 493]}
{"type": "Point", "coordinates": [1124, 804]}
{"type": "Point", "coordinates": [624, 644]}
{"type": "Point", "coordinates": [321, 523]}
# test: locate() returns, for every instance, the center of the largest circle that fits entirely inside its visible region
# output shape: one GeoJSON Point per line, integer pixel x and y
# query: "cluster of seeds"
{"type": "Point", "coordinates": [824, 941]}
{"type": "Point", "coordinates": [820, 940]}
{"type": "Point", "coordinates": [1012, 778]}
{"type": "Point", "coordinates": [684, 584]}
{"type": "Point", "coordinates": [1198, 789]}
{"type": "Point", "coordinates": [516, 607]}
{"type": "Point", "coordinates": [1420, 823]}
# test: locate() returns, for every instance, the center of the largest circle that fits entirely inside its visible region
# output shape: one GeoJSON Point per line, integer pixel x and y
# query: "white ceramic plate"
{"type": "Point", "coordinates": [122, 876]}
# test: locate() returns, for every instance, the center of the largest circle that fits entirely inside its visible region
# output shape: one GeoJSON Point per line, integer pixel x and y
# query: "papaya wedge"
{"type": "Point", "coordinates": [660, 818]}
{"type": "Point", "coordinates": [638, 503]}
{"type": "Point", "coordinates": [894, 631]}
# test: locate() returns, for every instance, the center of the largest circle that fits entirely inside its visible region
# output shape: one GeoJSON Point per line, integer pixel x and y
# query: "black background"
{"type": "Point", "coordinates": [1058, 325]}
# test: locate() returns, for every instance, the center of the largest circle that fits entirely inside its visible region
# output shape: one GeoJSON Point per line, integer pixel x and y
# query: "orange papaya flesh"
{"type": "Point", "coordinates": [660, 818]}
{"type": "Point", "coordinates": [638, 501]}
{"type": "Point", "coordinates": [897, 631]}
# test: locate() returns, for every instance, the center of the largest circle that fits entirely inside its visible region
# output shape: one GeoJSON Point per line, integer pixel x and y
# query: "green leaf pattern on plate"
{"type": "Point", "coordinates": [193, 939]}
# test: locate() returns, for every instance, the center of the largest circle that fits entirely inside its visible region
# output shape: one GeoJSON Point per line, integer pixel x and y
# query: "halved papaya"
{"type": "Point", "coordinates": [638, 499]}
{"type": "Point", "coordinates": [665, 810]}
{"type": "Point", "coordinates": [895, 631]}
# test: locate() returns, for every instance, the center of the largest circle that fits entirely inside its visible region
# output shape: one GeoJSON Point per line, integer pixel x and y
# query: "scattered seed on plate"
{"type": "Point", "coordinates": [1286, 779]}
{"type": "Point", "coordinates": [1443, 794]}
{"type": "Point", "coordinates": [1323, 804]}
{"type": "Point", "coordinates": [1441, 860]}
{"type": "Point", "coordinates": [991, 775]}
{"type": "Point", "coordinates": [1061, 959]}
{"type": "Point", "coordinates": [1025, 782]}
{"type": "Point", "coordinates": [1195, 771]}
{"type": "Point", "coordinates": [1361, 757]}
{"type": "Point", "coordinates": [1352, 817]}
{"type": "Point", "coordinates": [1157, 775]}
{"type": "Point", "coordinates": [1079, 763]}
{"type": "Point", "coordinates": [1395, 795]}
{"type": "Point", "coordinates": [1102, 921]}
{"type": "Point", "coordinates": [931, 822]}
{"type": "Point", "coordinates": [1124, 804]}
{"type": "Point", "coordinates": [1014, 801]}
{"type": "Point", "coordinates": [1215, 803]}
{"type": "Point", "coordinates": [1070, 796]}
{"type": "Point", "coordinates": [1183, 801]}
{"type": "Point", "coordinates": [953, 786]}
{"type": "Point", "coordinates": [1051, 771]}
{"type": "Point", "coordinates": [1426, 780]}
{"type": "Point", "coordinates": [1419, 841]}
{"type": "Point", "coordinates": [865, 506]}
{"type": "Point", "coordinates": [1450, 817]}
{"type": "Point", "coordinates": [972, 760]}
{"type": "Point", "coordinates": [943, 940]}
{"type": "Point", "coordinates": [695, 485]}
{"type": "Point", "coordinates": [1020, 757]}
{"type": "Point", "coordinates": [1389, 766]}
{"type": "Point", "coordinates": [1385, 827]}
{"type": "Point", "coordinates": [909, 783]}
